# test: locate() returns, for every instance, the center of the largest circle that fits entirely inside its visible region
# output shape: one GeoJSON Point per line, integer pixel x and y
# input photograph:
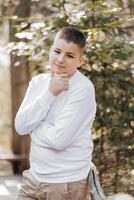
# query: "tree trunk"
{"type": "Point", "coordinates": [19, 79]}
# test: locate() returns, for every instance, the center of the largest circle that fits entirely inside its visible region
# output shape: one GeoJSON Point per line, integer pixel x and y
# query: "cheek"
{"type": "Point", "coordinates": [71, 70]}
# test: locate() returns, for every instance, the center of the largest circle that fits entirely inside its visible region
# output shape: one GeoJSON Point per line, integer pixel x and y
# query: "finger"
{"type": "Point", "coordinates": [63, 75]}
{"type": "Point", "coordinates": [65, 80]}
{"type": "Point", "coordinates": [66, 87]}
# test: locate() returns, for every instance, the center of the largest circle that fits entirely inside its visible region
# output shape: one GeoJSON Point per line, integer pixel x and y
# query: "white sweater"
{"type": "Point", "coordinates": [60, 128]}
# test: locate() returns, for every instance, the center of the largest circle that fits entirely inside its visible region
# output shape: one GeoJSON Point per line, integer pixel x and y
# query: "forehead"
{"type": "Point", "coordinates": [66, 46]}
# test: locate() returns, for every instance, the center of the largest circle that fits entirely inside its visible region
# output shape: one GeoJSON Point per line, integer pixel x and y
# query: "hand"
{"type": "Point", "coordinates": [59, 83]}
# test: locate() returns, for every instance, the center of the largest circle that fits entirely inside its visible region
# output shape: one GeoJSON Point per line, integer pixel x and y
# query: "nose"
{"type": "Point", "coordinates": [60, 59]}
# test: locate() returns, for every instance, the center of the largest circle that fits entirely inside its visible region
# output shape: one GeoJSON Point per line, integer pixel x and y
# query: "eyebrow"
{"type": "Point", "coordinates": [70, 53]}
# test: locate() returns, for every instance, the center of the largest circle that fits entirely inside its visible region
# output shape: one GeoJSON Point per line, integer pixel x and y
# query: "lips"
{"type": "Point", "coordinates": [59, 66]}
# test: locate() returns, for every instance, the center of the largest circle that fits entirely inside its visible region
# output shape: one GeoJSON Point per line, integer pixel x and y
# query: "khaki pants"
{"type": "Point", "coordinates": [32, 189]}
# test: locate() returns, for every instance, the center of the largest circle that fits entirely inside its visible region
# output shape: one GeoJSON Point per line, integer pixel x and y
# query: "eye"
{"type": "Point", "coordinates": [70, 56]}
{"type": "Point", "coordinates": [57, 51]}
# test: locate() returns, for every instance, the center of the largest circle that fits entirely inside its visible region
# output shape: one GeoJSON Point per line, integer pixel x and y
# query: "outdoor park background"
{"type": "Point", "coordinates": [27, 28]}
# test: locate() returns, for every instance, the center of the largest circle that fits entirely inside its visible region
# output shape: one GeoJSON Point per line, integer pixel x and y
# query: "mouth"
{"type": "Point", "coordinates": [59, 66]}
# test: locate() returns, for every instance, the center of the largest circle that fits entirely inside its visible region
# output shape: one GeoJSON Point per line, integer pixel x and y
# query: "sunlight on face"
{"type": "Point", "coordinates": [65, 57]}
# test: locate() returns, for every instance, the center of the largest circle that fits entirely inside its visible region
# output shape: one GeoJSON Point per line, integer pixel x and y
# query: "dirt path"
{"type": "Point", "coordinates": [9, 186]}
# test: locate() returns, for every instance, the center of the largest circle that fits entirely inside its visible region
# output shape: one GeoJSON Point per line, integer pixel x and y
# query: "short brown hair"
{"type": "Point", "coordinates": [71, 34]}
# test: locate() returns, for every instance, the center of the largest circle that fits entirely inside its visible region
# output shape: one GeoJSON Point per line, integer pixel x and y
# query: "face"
{"type": "Point", "coordinates": [65, 57]}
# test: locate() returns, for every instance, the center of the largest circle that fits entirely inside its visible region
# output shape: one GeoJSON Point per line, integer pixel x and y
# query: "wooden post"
{"type": "Point", "coordinates": [19, 79]}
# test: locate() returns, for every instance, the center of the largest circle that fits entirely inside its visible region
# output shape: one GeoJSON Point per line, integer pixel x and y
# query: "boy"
{"type": "Point", "coordinates": [58, 111]}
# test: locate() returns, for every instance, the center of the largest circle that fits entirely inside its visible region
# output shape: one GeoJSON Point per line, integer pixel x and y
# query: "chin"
{"type": "Point", "coordinates": [56, 71]}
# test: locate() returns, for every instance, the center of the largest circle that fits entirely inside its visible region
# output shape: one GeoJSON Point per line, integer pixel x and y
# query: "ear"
{"type": "Point", "coordinates": [82, 61]}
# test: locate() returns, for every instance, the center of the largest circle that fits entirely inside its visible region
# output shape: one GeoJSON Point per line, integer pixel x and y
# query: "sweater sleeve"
{"type": "Point", "coordinates": [80, 108]}
{"type": "Point", "coordinates": [33, 109]}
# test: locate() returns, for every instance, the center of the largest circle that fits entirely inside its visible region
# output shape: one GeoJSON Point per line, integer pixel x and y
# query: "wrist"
{"type": "Point", "coordinates": [52, 92]}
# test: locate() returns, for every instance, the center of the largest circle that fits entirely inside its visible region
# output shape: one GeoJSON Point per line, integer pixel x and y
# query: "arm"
{"type": "Point", "coordinates": [33, 109]}
{"type": "Point", "coordinates": [80, 108]}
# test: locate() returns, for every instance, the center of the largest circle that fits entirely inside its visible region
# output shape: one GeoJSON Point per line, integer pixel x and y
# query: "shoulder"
{"type": "Point", "coordinates": [86, 81]}
{"type": "Point", "coordinates": [81, 82]}
{"type": "Point", "coordinates": [40, 78]}
{"type": "Point", "coordinates": [81, 87]}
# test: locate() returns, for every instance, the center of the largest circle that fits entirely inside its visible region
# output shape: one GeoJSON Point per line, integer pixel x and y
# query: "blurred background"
{"type": "Point", "coordinates": [27, 28]}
